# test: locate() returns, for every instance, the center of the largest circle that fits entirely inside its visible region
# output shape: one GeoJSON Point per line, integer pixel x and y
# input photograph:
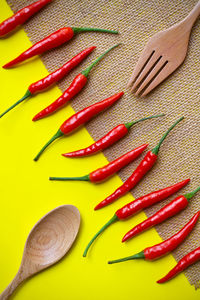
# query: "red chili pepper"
{"type": "Point", "coordinates": [113, 167]}
{"type": "Point", "coordinates": [137, 205]}
{"type": "Point", "coordinates": [54, 40]}
{"type": "Point", "coordinates": [184, 263]}
{"type": "Point", "coordinates": [21, 16]}
{"type": "Point", "coordinates": [75, 87]}
{"type": "Point", "coordinates": [53, 77]}
{"type": "Point", "coordinates": [146, 164]}
{"type": "Point", "coordinates": [81, 118]}
{"type": "Point", "coordinates": [109, 139]}
{"type": "Point", "coordinates": [148, 200]}
{"type": "Point", "coordinates": [166, 212]}
{"type": "Point", "coordinates": [164, 247]}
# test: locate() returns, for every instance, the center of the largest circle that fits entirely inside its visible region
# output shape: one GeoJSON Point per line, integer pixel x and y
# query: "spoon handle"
{"type": "Point", "coordinates": [12, 286]}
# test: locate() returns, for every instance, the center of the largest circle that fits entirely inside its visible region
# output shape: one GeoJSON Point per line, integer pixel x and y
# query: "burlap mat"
{"type": "Point", "coordinates": [179, 95]}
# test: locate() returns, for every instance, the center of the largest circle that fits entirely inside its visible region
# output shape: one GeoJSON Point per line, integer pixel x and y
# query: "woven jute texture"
{"type": "Point", "coordinates": [137, 21]}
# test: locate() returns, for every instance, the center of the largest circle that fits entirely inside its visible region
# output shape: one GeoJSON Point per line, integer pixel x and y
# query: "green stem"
{"type": "Point", "coordinates": [28, 94]}
{"type": "Point", "coordinates": [156, 149]}
{"type": "Point", "coordinates": [87, 29]}
{"type": "Point", "coordinates": [82, 178]}
{"type": "Point", "coordinates": [130, 124]}
{"type": "Point", "coordinates": [188, 196]}
{"type": "Point", "coordinates": [112, 220]}
{"type": "Point", "coordinates": [88, 69]}
{"type": "Point", "coordinates": [135, 256]}
{"type": "Point", "coordinates": [58, 134]}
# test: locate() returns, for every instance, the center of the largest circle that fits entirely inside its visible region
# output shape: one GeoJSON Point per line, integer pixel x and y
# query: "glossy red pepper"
{"type": "Point", "coordinates": [58, 74]}
{"type": "Point", "coordinates": [137, 205]}
{"type": "Point", "coordinates": [166, 212]}
{"type": "Point", "coordinates": [54, 40]}
{"type": "Point", "coordinates": [75, 87]}
{"type": "Point", "coordinates": [108, 170]}
{"type": "Point", "coordinates": [81, 118]}
{"type": "Point", "coordinates": [146, 164]}
{"type": "Point", "coordinates": [109, 139]}
{"type": "Point", "coordinates": [52, 78]}
{"type": "Point", "coordinates": [184, 263]}
{"type": "Point", "coordinates": [21, 16]}
{"type": "Point", "coordinates": [165, 247]}
{"type": "Point", "coordinates": [148, 200]}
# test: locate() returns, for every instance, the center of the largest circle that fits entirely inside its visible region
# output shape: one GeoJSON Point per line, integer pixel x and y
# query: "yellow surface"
{"type": "Point", "coordinates": [27, 194]}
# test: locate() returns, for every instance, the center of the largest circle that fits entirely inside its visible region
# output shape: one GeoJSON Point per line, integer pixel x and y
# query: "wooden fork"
{"type": "Point", "coordinates": [163, 54]}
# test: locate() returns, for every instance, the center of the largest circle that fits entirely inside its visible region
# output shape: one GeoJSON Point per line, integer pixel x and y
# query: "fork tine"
{"type": "Point", "coordinates": [152, 63]}
{"type": "Point", "coordinates": [143, 60]}
{"type": "Point", "coordinates": [153, 73]}
{"type": "Point", "coordinates": [164, 73]}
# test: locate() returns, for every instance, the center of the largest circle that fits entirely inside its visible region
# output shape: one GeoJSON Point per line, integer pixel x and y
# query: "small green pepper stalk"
{"type": "Point", "coordinates": [157, 148]}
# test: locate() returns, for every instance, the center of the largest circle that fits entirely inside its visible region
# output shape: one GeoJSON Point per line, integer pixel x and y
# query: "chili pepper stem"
{"type": "Point", "coordinates": [156, 149]}
{"type": "Point", "coordinates": [28, 94]}
{"type": "Point", "coordinates": [87, 29]}
{"type": "Point", "coordinates": [130, 124]}
{"type": "Point", "coordinates": [111, 221]}
{"type": "Point", "coordinates": [57, 135]}
{"type": "Point", "coordinates": [135, 256]}
{"type": "Point", "coordinates": [188, 196]}
{"type": "Point", "coordinates": [88, 69]}
{"type": "Point", "coordinates": [82, 178]}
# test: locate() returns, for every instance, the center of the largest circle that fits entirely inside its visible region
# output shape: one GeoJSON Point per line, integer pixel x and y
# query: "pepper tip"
{"type": "Point", "coordinates": [98, 206]}
{"type": "Point", "coordinates": [124, 239]}
{"type": "Point", "coordinates": [5, 66]}
{"type": "Point", "coordinates": [159, 281]}
{"type": "Point", "coordinates": [35, 118]}
{"type": "Point", "coordinates": [8, 65]}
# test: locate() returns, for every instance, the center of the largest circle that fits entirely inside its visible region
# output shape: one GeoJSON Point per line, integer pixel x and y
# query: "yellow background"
{"type": "Point", "coordinates": [27, 194]}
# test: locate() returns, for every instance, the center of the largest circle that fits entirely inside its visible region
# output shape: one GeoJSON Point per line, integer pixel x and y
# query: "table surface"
{"type": "Point", "coordinates": [27, 195]}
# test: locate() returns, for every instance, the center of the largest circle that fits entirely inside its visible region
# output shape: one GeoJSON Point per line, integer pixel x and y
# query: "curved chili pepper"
{"type": "Point", "coordinates": [21, 16]}
{"type": "Point", "coordinates": [146, 164]}
{"type": "Point", "coordinates": [105, 172]}
{"type": "Point", "coordinates": [166, 212]}
{"type": "Point", "coordinates": [81, 118]}
{"type": "Point", "coordinates": [148, 200]}
{"type": "Point", "coordinates": [137, 205]}
{"type": "Point", "coordinates": [109, 139]}
{"type": "Point", "coordinates": [54, 40]}
{"type": "Point", "coordinates": [75, 87]}
{"type": "Point", "coordinates": [164, 247]}
{"type": "Point", "coordinates": [183, 263]}
{"type": "Point", "coordinates": [53, 77]}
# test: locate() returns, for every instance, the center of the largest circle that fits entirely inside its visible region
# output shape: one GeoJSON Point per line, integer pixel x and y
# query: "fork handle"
{"type": "Point", "coordinates": [193, 15]}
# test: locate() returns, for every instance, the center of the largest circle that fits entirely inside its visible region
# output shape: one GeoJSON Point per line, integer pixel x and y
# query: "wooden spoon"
{"type": "Point", "coordinates": [47, 243]}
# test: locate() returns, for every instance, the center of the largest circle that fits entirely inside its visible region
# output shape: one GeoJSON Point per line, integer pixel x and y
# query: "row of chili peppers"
{"type": "Point", "coordinates": [74, 88]}
{"type": "Point", "coordinates": [166, 212]}
{"type": "Point", "coordinates": [54, 40]}
{"type": "Point", "coordinates": [132, 208]}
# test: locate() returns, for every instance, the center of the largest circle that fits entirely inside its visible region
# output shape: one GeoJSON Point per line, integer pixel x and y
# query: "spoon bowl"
{"type": "Point", "coordinates": [49, 240]}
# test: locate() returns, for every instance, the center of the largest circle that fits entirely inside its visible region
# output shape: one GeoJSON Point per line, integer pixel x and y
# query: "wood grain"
{"type": "Point", "coordinates": [48, 242]}
{"type": "Point", "coordinates": [163, 54]}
